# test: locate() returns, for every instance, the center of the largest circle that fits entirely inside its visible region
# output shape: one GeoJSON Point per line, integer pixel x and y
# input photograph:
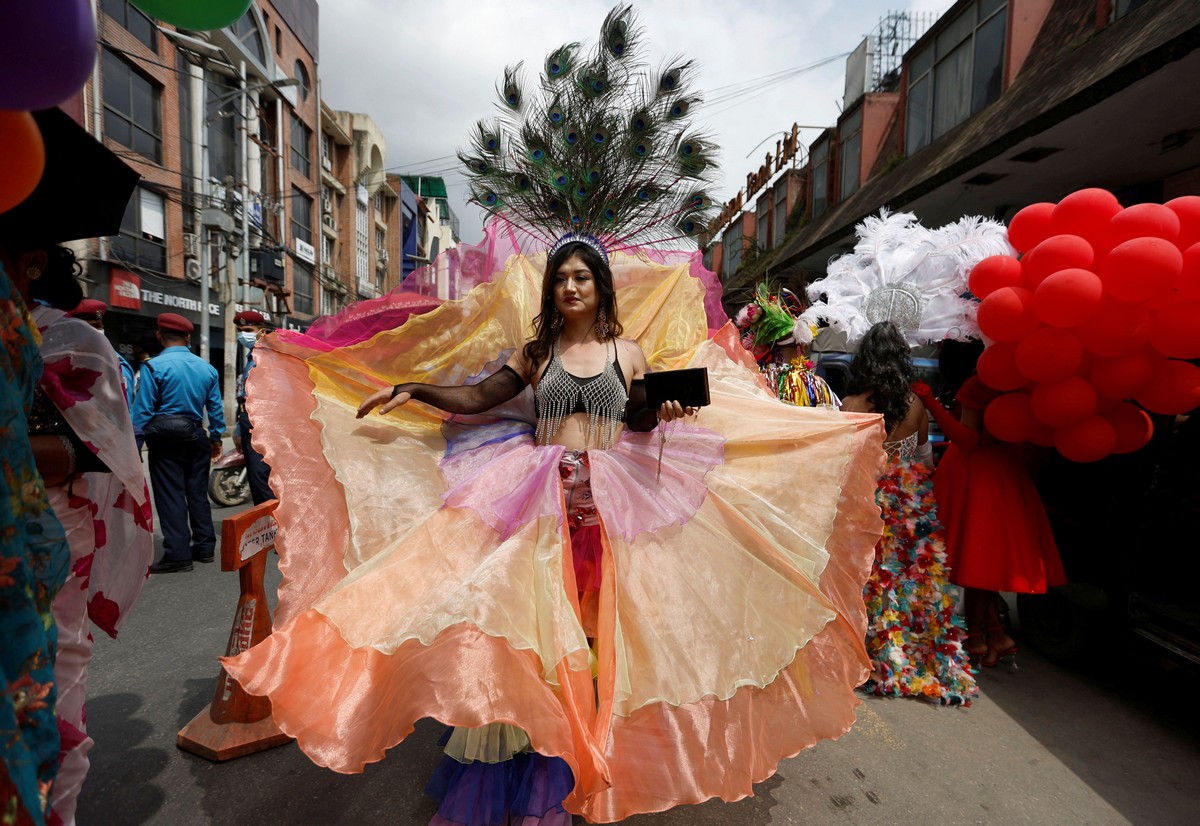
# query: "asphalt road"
{"type": "Point", "coordinates": [1118, 743]}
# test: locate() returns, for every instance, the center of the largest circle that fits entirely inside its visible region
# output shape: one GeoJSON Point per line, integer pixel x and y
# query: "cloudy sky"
{"type": "Point", "coordinates": [425, 72]}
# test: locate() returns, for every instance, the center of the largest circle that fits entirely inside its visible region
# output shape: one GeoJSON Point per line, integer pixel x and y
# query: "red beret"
{"type": "Point", "coordinates": [87, 307]}
{"type": "Point", "coordinates": [249, 317]}
{"type": "Point", "coordinates": [175, 323]}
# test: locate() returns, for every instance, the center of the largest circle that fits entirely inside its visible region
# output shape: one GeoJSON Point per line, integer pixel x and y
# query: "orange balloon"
{"type": "Point", "coordinates": [22, 157]}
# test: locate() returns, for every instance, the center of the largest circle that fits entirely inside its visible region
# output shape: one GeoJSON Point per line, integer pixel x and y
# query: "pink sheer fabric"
{"type": "Point", "coordinates": [440, 580]}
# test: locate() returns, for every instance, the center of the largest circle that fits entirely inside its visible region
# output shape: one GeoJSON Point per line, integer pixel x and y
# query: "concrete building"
{"type": "Point", "coordinates": [437, 231]}
{"type": "Point", "coordinates": [221, 127]}
{"type": "Point", "coordinates": [360, 212]}
{"type": "Point", "coordinates": [997, 105]}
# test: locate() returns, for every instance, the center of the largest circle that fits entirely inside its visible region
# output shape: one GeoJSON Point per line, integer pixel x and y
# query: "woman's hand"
{"type": "Point", "coordinates": [670, 411]}
{"type": "Point", "coordinates": [383, 397]}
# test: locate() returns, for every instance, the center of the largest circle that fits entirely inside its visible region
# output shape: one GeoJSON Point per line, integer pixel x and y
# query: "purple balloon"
{"type": "Point", "coordinates": [47, 51]}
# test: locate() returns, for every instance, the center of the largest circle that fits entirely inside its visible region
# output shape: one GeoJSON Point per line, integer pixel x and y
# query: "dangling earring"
{"type": "Point", "coordinates": [33, 273]}
{"type": "Point", "coordinates": [602, 323]}
{"type": "Point", "coordinates": [557, 324]}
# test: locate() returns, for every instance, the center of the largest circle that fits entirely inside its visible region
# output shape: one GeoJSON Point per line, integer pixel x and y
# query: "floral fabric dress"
{"type": "Point", "coordinates": [33, 567]}
{"type": "Point", "coordinates": [914, 636]}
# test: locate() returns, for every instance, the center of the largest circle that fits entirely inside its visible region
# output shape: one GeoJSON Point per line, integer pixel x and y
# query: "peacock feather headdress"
{"type": "Point", "coordinates": [602, 151]}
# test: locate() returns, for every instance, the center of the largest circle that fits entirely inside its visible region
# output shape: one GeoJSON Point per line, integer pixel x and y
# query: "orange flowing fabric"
{"type": "Point", "coordinates": [428, 572]}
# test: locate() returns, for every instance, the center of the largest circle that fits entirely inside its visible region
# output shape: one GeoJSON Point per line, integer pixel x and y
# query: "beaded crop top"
{"type": "Point", "coordinates": [602, 397]}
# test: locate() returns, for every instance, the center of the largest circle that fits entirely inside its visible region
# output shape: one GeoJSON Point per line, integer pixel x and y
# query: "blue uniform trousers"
{"type": "Point", "coordinates": [258, 472]}
{"type": "Point", "coordinates": [179, 467]}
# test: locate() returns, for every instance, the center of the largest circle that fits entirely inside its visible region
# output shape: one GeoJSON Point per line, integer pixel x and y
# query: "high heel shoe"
{"type": "Point", "coordinates": [976, 647]}
{"type": "Point", "coordinates": [995, 656]}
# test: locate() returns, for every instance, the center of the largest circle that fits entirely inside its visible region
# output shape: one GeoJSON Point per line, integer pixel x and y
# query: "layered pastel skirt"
{"type": "Point", "coordinates": [704, 622]}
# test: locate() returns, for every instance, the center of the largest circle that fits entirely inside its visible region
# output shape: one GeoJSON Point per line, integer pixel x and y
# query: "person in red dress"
{"type": "Point", "coordinates": [998, 537]}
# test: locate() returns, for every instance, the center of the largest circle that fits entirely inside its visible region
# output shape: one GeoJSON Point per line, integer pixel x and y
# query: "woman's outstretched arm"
{"type": "Point", "coordinates": [503, 385]}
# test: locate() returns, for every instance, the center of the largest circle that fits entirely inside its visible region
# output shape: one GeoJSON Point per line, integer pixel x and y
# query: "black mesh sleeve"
{"type": "Point", "coordinates": [503, 385]}
{"type": "Point", "coordinates": [638, 416]}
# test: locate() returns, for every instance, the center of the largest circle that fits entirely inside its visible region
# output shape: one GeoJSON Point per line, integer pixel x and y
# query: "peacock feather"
{"type": "Point", "coordinates": [601, 145]}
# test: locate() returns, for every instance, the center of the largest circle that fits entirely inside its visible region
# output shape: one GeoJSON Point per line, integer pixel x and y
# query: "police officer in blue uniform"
{"type": "Point", "coordinates": [250, 325]}
{"type": "Point", "coordinates": [175, 389]}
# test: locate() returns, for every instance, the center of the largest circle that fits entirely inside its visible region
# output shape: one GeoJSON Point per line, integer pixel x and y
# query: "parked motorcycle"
{"type": "Point", "coordinates": [228, 485]}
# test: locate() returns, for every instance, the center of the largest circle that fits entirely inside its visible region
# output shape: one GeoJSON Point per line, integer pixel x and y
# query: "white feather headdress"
{"type": "Point", "coordinates": [906, 273]}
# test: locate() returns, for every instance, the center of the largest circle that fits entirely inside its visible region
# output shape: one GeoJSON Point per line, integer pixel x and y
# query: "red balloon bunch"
{"type": "Point", "coordinates": [1102, 307]}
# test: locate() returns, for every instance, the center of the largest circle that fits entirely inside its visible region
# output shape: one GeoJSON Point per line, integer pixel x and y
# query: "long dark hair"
{"type": "Point", "coordinates": [883, 369]}
{"type": "Point", "coordinates": [538, 347]}
{"type": "Point", "coordinates": [58, 285]}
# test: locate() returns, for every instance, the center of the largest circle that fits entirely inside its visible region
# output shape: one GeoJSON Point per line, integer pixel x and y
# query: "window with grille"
{"type": "Point", "coordinates": [142, 244]}
{"type": "Point", "coordinates": [301, 147]}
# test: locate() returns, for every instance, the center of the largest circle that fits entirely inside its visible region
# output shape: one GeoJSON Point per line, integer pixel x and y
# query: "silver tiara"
{"type": "Point", "coordinates": [583, 238]}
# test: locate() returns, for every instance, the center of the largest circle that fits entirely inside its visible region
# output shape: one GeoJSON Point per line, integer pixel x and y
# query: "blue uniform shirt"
{"type": "Point", "coordinates": [126, 380]}
{"type": "Point", "coordinates": [177, 382]}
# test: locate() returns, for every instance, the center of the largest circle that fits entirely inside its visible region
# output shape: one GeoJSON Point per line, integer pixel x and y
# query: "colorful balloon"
{"type": "Point", "coordinates": [1089, 440]}
{"type": "Point", "coordinates": [1115, 328]}
{"type": "Point", "coordinates": [197, 15]}
{"type": "Point", "coordinates": [1068, 298]}
{"type": "Point", "coordinates": [1173, 388]}
{"type": "Point", "coordinates": [1175, 330]}
{"type": "Point", "coordinates": [1140, 269]}
{"type": "Point", "coordinates": [1141, 221]}
{"type": "Point", "coordinates": [1030, 227]}
{"type": "Point", "coordinates": [1063, 402]}
{"type": "Point", "coordinates": [1048, 354]}
{"type": "Point", "coordinates": [1085, 213]}
{"type": "Point", "coordinates": [1133, 425]}
{"type": "Point", "coordinates": [47, 51]}
{"type": "Point", "coordinates": [1059, 252]}
{"type": "Point", "coordinates": [1189, 274]}
{"type": "Point", "coordinates": [997, 367]}
{"type": "Point", "coordinates": [1122, 377]}
{"type": "Point", "coordinates": [1010, 418]}
{"type": "Point", "coordinates": [1187, 209]}
{"type": "Point", "coordinates": [22, 157]}
{"type": "Point", "coordinates": [1007, 314]}
{"type": "Point", "coordinates": [994, 273]}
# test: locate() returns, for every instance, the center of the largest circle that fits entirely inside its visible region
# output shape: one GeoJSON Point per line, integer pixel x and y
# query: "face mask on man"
{"type": "Point", "coordinates": [247, 339]}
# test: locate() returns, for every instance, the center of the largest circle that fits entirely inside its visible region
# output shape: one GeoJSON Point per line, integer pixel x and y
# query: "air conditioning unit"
{"type": "Point", "coordinates": [327, 163]}
{"type": "Point", "coordinates": [191, 270]}
{"type": "Point", "coordinates": [381, 256]}
{"type": "Point", "coordinates": [327, 206]}
{"type": "Point", "coordinates": [329, 221]}
{"type": "Point", "coordinates": [191, 245]}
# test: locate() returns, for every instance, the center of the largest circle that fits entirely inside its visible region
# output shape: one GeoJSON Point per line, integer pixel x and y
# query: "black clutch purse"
{"type": "Point", "coordinates": [689, 387]}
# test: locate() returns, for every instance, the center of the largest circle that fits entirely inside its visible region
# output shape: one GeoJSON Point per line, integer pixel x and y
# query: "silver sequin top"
{"type": "Point", "coordinates": [602, 397]}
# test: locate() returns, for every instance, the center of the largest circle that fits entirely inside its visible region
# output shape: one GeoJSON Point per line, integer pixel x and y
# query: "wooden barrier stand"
{"type": "Point", "coordinates": [236, 723]}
